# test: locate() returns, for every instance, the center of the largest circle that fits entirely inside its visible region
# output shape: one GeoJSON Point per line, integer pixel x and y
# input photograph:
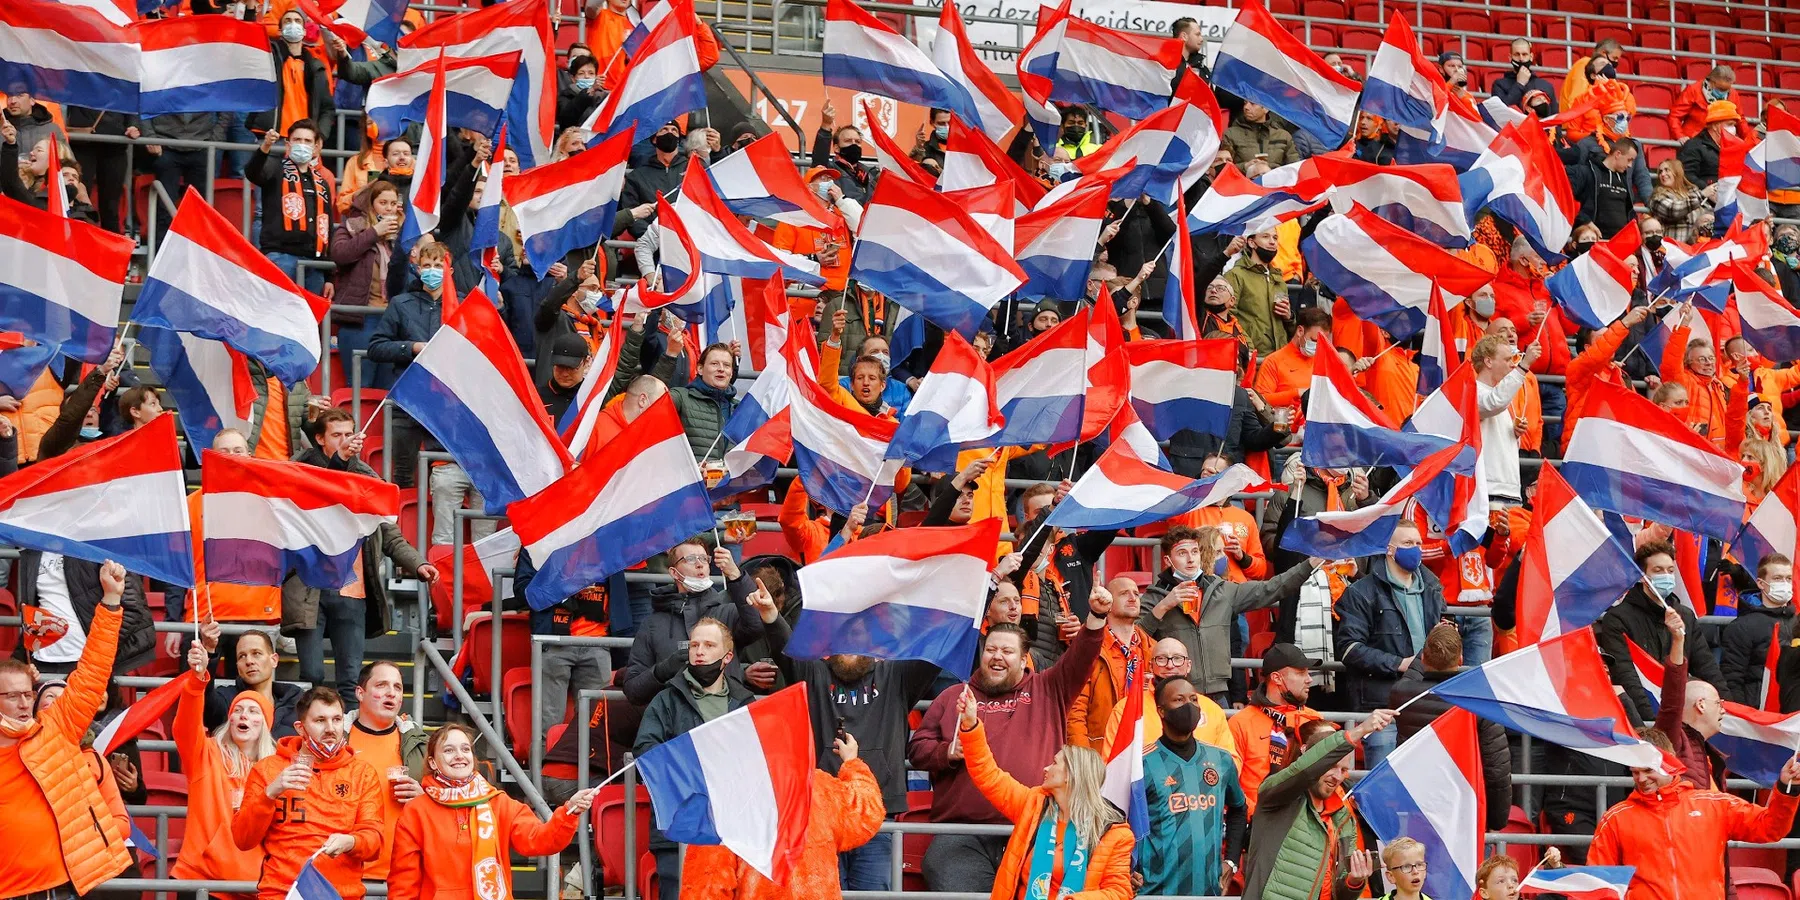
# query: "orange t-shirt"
{"type": "Point", "coordinates": [272, 439]}
{"type": "Point", "coordinates": [294, 102]}
{"type": "Point", "coordinates": [1283, 376]}
{"type": "Point", "coordinates": [382, 751]}
{"type": "Point", "coordinates": [36, 864]}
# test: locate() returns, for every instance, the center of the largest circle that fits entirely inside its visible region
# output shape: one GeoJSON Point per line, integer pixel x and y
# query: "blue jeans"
{"type": "Point", "coordinates": [1377, 746]}
{"type": "Point", "coordinates": [289, 263]}
{"type": "Point", "coordinates": [869, 867]}
{"type": "Point", "coordinates": [1555, 403]}
{"type": "Point", "coordinates": [342, 619]}
{"type": "Point", "coordinates": [1477, 639]}
{"type": "Point", "coordinates": [353, 337]}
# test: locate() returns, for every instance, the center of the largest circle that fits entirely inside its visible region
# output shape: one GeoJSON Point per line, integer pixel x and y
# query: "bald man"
{"type": "Point", "coordinates": [1124, 659]}
{"type": "Point", "coordinates": [625, 408]}
{"type": "Point", "coordinates": [1690, 713]}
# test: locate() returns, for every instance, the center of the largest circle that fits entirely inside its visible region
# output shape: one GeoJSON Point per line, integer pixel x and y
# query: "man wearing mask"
{"type": "Point", "coordinates": [1699, 155]}
{"type": "Point", "coordinates": [1455, 70]}
{"type": "Point", "coordinates": [296, 201]}
{"type": "Point", "coordinates": [1195, 803]}
{"type": "Point", "coordinates": [1267, 729]}
{"type": "Point", "coordinates": [1398, 590]}
{"type": "Point", "coordinates": [1576, 83]}
{"type": "Point", "coordinates": [1512, 86]}
{"type": "Point", "coordinates": [1075, 140]}
{"type": "Point", "coordinates": [657, 655]}
{"type": "Point", "coordinates": [407, 324]}
{"type": "Point", "coordinates": [1306, 844]}
{"type": "Point", "coordinates": [841, 148]}
{"type": "Point", "coordinates": [660, 175]}
{"type": "Point", "coordinates": [1784, 258]}
{"type": "Point", "coordinates": [1687, 115]}
{"type": "Point", "coordinates": [930, 144]}
{"type": "Point", "coordinates": [831, 246]}
{"type": "Point", "coordinates": [1285, 374]}
{"type": "Point", "coordinates": [1744, 645]}
{"type": "Point", "coordinates": [1169, 659]}
{"type": "Point", "coordinates": [1253, 135]}
{"type": "Point", "coordinates": [303, 87]}
{"type": "Point", "coordinates": [1262, 308]}
{"type": "Point", "coordinates": [1639, 618]}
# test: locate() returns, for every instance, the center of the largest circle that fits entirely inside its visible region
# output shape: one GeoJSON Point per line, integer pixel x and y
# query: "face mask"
{"type": "Point", "coordinates": [1582, 247]}
{"type": "Point", "coordinates": [400, 170]}
{"type": "Point", "coordinates": [1611, 72]}
{"type": "Point", "coordinates": [1716, 95]}
{"type": "Point", "coordinates": [1073, 135]}
{"type": "Point", "coordinates": [1731, 130]}
{"type": "Point", "coordinates": [1621, 124]}
{"type": "Point", "coordinates": [1186, 575]}
{"type": "Point", "coordinates": [1484, 307]}
{"type": "Point", "coordinates": [432, 278]}
{"type": "Point", "coordinates": [666, 142]}
{"type": "Point", "coordinates": [1182, 719]}
{"type": "Point", "coordinates": [696, 584]}
{"type": "Point", "coordinates": [1059, 171]}
{"type": "Point", "coordinates": [1663, 583]}
{"type": "Point", "coordinates": [1408, 558]}
{"type": "Point", "coordinates": [293, 32]}
{"type": "Point", "coordinates": [1266, 255]}
{"type": "Point", "coordinates": [1653, 242]}
{"type": "Point", "coordinates": [823, 189]}
{"type": "Point", "coordinates": [590, 300]}
{"type": "Point", "coordinates": [301, 154]}
{"type": "Point", "coordinates": [881, 358]}
{"type": "Point", "coordinates": [1308, 348]}
{"type": "Point", "coordinates": [1221, 566]}
{"type": "Point", "coordinates": [1779, 592]}
{"type": "Point", "coordinates": [706, 673]}
{"type": "Point", "coordinates": [582, 84]}
{"type": "Point", "coordinates": [1786, 244]}
{"type": "Point", "coordinates": [90, 434]}
{"type": "Point", "coordinates": [851, 154]}
{"type": "Point", "coordinates": [942, 132]}
{"type": "Point", "coordinates": [1541, 110]}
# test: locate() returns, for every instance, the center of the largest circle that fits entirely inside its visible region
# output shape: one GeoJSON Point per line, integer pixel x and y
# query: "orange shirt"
{"type": "Point", "coordinates": [33, 865]}
{"type": "Point", "coordinates": [1353, 334]}
{"type": "Point", "coordinates": [226, 601]}
{"type": "Point", "coordinates": [382, 752]}
{"type": "Point", "coordinates": [807, 241]}
{"type": "Point", "coordinates": [1282, 377]}
{"type": "Point", "coordinates": [1393, 380]}
{"type": "Point", "coordinates": [1706, 396]}
{"type": "Point", "coordinates": [272, 439]}
{"type": "Point", "coordinates": [344, 797]}
{"type": "Point", "coordinates": [207, 851]}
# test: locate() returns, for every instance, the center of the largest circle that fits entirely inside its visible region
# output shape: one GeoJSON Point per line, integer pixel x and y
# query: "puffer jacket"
{"type": "Point", "coordinates": [704, 410]}
{"type": "Point", "coordinates": [1422, 708]}
{"type": "Point", "coordinates": [656, 656]}
{"type": "Point", "coordinates": [1109, 863]}
{"type": "Point", "coordinates": [37, 411]}
{"type": "Point", "coordinates": [136, 642]}
{"type": "Point", "coordinates": [295, 410]}
{"type": "Point", "coordinates": [846, 813]}
{"type": "Point", "coordinates": [1639, 619]}
{"type": "Point", "coordinates": [1676, 837]}
{"type": "Point", "coordinates": [1257, 288]}
{"type": "Point", "coordinates": [1208, 640]}
{"type": "Point", "coordinates": [1288, 847]}
{"type": "Point", "coordinates": [1371, 634]}
{"type": "Point", "coordinates": [1744, 649]}
{"type": "Point", "coordinates": [93, 847]}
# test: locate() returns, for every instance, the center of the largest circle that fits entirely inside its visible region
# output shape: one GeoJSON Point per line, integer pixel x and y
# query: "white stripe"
{"type": "Point", "coordinates": [1363, 256]}
{"type": "Point", "coordinates": [478, 82]}
{"type": "Point", "coordinates": [203, 64]}
{"type": "Point", "coordinates": [50, 49]}
{"type": "Point", "coordinates": [211, 363]}
{"type": "Point", "coordinates": [1394, 65]}
{"type": "Point", "coordinates": [1615, 445]}
{"type": "Point", "coordinates": [1097, 491]}
{"type": "Point", "coordinates": [1064, 238]}
{"type": "Point", "coordinates": [961, 400]}
{"type": "Point", "coordinates": [1097, 63]}
{"type": "Point", "coordinates": [1252, 48]}
{"type": "Point", "coordinates": [511, 39]}
{"type": "Point", "coordinates": [709, 235]}
{"type": "Point", "coordinates": [1053, 373]}
{"type": "Point", "coordinates": [61, 280]}
{"type": "Point", "coordinates": [920, 241]}
{"type": "Point", "coordinates": [950, 582]}
{"type": "Point", "coordinates": [1775, 522]}
{"type": "Point", "coordinates": [1435, 782]}
{"type": "Point", "coordinates": [1523, 680]}
{"type": "Point", "coordinates": [651, 74]}
{"type": "Point", "coordinates": [471, 376]}
{"type": "Point", "coordinates": [655, 472]}
{"type": "Point", "coordinates": [857, 42]}
{"type": "Point", "coordinates": [839, 441]}
{"type": "Point", "coordinates": [106, 8]}
{"type": "Point", "coordinates": [280, 522]}
{"type": "Point", "coordinates": [1158, 380]}
{"type": "Point", "coordinates": [744, 809]}
{"type": "Point", "coordinates": [550, 211]}
{"type": "Point", "coordinates": [234, 291]}
{"type": "Point", "coordinates": [1326, 405]}
{"type": "Point", "coordinates": [1785, 733]}
{"type": "Point", "coordinates": [1574, 883]}
{"type": "Point", "coordinates": [1384, 189]}
{"type": "Point", "coordinates": [1760, 313]}
{"type": "Point", "coordinates": [150, 503]}
{"type": "Point", "coordinates": [1572, 537]}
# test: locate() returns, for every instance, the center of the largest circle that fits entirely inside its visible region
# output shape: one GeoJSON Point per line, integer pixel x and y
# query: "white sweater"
{"type": "Point", "coordinates": [1499, 444]}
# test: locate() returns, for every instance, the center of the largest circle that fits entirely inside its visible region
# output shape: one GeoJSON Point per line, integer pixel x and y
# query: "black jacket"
{"type": "Point", "coordinates": [1604, 196]}
{"type": "Point", "coordinates": [1371, 635]}
{"type": "Point", "coordinates": [1744, 650]}
{"type": "Point", "coordinates": [643, 184]}
{"type": "Point", "coordinates": [573, 106]}
{"type": "Point", "coordinates": [269, 173]}
{"type": "Point", "coordinates": [319, 105]}
{"type": "Point", "coordinates": [658, 650]}
{"type": "Point", "coordinates": [1640, 619]}
{"type": "Point", "coordinates": [1496, 754]}
{"type": "Point", "coordinates": [857, 182]}
{"type": "Point", "coordinates": [673, 713]}
{"type": "Point", "coordinates": [1512, 93]}
{"type": "Point", "coordinates": [137, 635]}
{"type": "Point", "coordinates": [874, 710]}
{"type": "Point", "coordinates": [412, 317]}
{"type": "Point", "coordinates": [1699, 158]}
{"type": "Point", "coordinates": [1245, 434]}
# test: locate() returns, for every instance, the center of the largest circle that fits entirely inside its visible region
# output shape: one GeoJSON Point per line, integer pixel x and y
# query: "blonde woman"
{"type": "Point", "coordinates": [1676, 202]}
{"type": "Point", "coordinates": [25, 179]}
{"type": "Point", "coordinates": [1764, 464]}
{"type": "Point", "coordinates": [216, 766]}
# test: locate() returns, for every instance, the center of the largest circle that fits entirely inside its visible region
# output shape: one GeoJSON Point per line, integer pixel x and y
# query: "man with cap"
{"type": "Point", "coordinates": [1687, 115]}
{"type": "Point", "coordinates": [1455, 71]}
{"type": "Point", "coordinates": [830, 246]}
{"type": "Point", "coordinates": [656, 175]}
{"type": "Point", "coordinates": [1699, 155]}
{"type": "Point", "coordinates": [1267, 729]}
{"type": "Point", "coordinates": [568, 365]}
{"type": "Point", "coordinates": [741, 137]}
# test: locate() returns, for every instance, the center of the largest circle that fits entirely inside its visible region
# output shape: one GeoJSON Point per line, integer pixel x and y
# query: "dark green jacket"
{"type": "Point", "coordinates": [1287, 847]}
{"type": "Point", "coordinates": [1257, 289]}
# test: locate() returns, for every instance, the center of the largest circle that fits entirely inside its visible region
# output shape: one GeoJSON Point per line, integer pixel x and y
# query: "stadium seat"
{"type": "Point", "coordinates": [1360, 39]}
{"type": "Point", "coordinates": [1525, 854]}
{"type": "Point", "coordinates": [515, 644]}
{"type": "Point", "coordinates": [1697, 69]}
{"type": "Point", "coordinates": [1653, 96]}
{"type": "Point", "coordinates": [1603, 30]}
{"type": "Point", "coordinates": [1653, 127]}
{"type": "Point", "coordinates": [1508, 25]}
{"type": "Point", "coordinates": [1366, 11]}
{"type": "Point", "coordinates": [409, 515]}
{"type": "Point", "coordinates": [1576, 7]}
{"type": "Point", "coordinates": [1789, 80]}
{"type": "Point", "coordinates": [9, 635]}
{"type": "Point", "coordinates": [1706, 17]}
{"type": "Point", "coordinates": [1471, 22]}
{"type": "Point", "coordinates": [1142, 578]}
{"type": "Point", "coordinates": [1658, 67]}
{"type": "Point", "coordinates": [609, 831]}
{"type": "Point", "coordinates": [649, 887]}
{"type": "Point", "coordinates": [1433, 18]}
{"type": "Point", "coordinates": [1701, 42]}
{"type": "Point", "coordinates": [164, 789]}
{"type": "Point", "coordinates": [913, 846]}
{"type": "Point", "coordinates": [1656, 39]}
{"type": "Point", "coordinates": [1473, 51]}
{"type": "Point", "coordinates": [1758, 884]}
{"type": "Point", "coordinates": [1324, 9]}
{"type": "Point", "coordinates": [1757, 858]}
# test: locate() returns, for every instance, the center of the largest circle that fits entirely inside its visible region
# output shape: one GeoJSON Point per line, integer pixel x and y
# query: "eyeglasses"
{"type": "Point", "coordinates": [692, 558]}
{"type": "Point", "coordinates": [16, 696]}
{"type": "Point", "coordinates": [1408, 868]}
{"type": "Point", "coordinates": [1168, 660]}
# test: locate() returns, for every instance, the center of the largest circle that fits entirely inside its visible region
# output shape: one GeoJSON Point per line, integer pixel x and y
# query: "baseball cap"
{"type": "Point", "coordinates": [568, 350]}
{"type": "Point", "coordinates": [1287, 656]}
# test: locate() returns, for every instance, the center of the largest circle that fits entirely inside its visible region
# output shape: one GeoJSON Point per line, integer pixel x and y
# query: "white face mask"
{"type": "Point", "coordinates": [696, 585]}
{"type": "Point", "coordinates": [1779, 592]}
{"type": "Point", "coordinates": [293, 32]}
{"type": "Point", "coordinates": [590, 300]}
{"type": "Point", "coordinates": [1187, 575]}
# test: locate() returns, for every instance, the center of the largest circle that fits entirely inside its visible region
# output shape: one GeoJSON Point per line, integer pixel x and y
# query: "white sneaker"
{"type": "Point", "coordinates": [286, 646]}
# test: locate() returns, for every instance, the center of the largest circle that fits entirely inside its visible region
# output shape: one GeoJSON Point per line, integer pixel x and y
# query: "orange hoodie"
{"type": "Point", "coordinates": [207, 850]}
{"type": "Point", "coordinates": [1676, 837]}
{"type": "Point", "coordinates": [846, 813]}
{"type": "Point", "coordinates": [444, 830]}
{"type": "Point", "coordinates": [344, 797]}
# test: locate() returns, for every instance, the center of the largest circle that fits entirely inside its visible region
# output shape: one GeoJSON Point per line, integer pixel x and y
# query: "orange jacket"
{"type": "Point", "coordinates": [1283, 375]}
{"type": "Point", "coordinates": [1252, 727]}
{"type": "Point", "coordinates": [1588, 366]}
{"type": "Point", "coordinates": [846, 813]}
{"type": "Point", "coordinates": [1527, 404]}
{"type": "Point", "coordinates": [1238, 522]}
{"type": "Point", "coordinates": [88, 834]}
{"type": "Point", "coordinates": [36, 413]}
{"type": "Point", "coordinates": [344, 797]}
{"type": "Point", "coordinates": [808, 241]}
{"type": "Point", "coordinates": [427, 825]}
{"type": "Point", "coordinates": [1770, 385]}
{"type": "Point", "coordinates": [227, 602]}
{"type": "Point", "coordinates": [1105, 687]}
{"type": "Point", "coordinates": [1609, 93]}
{"type": "Point", "coordinates": [1687, 115]}
{"type": "Point", "coordinates": [207, 850]}
{"type": "Point", "coordinates": [1109, 864]}
{"type": "Point", "coordinates": [1706, 396]}
{"type": "Point", "coordinates": [1360, 337]}
{"type": "Point", "coordinates": [1213, 728]}
{"type": "Point", "coordinates": [1676, 837]}
{"type": "Point", "coordinates": [806, 536]}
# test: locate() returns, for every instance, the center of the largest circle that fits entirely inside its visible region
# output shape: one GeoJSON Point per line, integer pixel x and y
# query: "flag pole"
{"type": "Point", "coordinates": [371, 420]}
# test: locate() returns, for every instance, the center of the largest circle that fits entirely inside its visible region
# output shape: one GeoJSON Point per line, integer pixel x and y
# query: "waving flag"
{"type": "Point", "coordinates": [1261, 61]}
{"type": "Point", "coordinates": [1123, 786]}
{"type": "Point", "coordinates": [1523, 181]}
{"type": "Point", "coordinates": [61, 280]}
{"type": "Point", "coordinates": [484, 238]}
{"type": "Point", "coordinates": [1700, 272]}
{"type": "Point", "coordinates": [1125, 73]}
{"type": "Point", "coordinates": [469, 387]}
{"type": "Point", "coordinates": [120, 498]}
{"type": "Point", "coordinates": [1402, 86]}
{"type": "Point", "coordinates": [20, 367]}
{"type": "Point", "coordinates": [972, 160]}
{"type": "Point", "coordinates": [1457, 138]}
{"type": "Point", "coordinates": [1775, 525]}
{"type": "Point", "coordinates": [1178, 287]}
{"type": "Point", "coordinates": [1632, 458]}
{"type": "Point", "coordinates": [266, 518]}
{"type": "Point", "coordinates": [662, 82]}
{"type": "Point", "coordinates": [841, 453]}
{"type": "Point", "coordinates": [1781, 149]}
{"type": "Point", "coordinates": [955, 404]}
{"type": "Point", "coordinates": [118, 12]}
{"type": "Point", "coordinates": [1386, 273]}
{"type": "Point", "coordinates": [1178, 385]}
{"type": "Point", "coordinates": [204, 64]}
{"type": "Point", "coordinates": [999, 109]}
{"type": "Point", "coordinates": [727, 246]}
{"type": "Point", "coordinates": [358, 21]}
{"type": "Point", "coordinates": [990, 207]}
{"type": "Point", "coordinates": [1425, 199]}
{"type": "Point", "coordinates": [1457, 503]}
{"type": "Point", "coordinates": [209, 382]}
{"type": "Point", "coordinates": [760, 180]}
{"type": "Point", "coordinates": [424, 197]}
{"type": "Point", "coordinates": [890, 158]}
{"type": "Point", "coordinates": [1595, 287]}
{"type": "Point", "coordinates": [633, 498]}
{"type": "Point", "coordinates": [866, 56]}
{"type": "Point", "coordinates": [927, 255]}
{"type": "Point", "coordinates": [1055, 243]}
{"type": "Point", "coordinates": [1344, 428]}
{"type": "Point", "coordinates": [208, 280]}
{"type": "Point", "coordinates": [1756, 743]}
{"type": "Point", "coordinates": [476, 92]}
{"type": "Point", "coordinates": [56, 199]}
{"type": "Point", "coordinates": [1121, 490]}
{"type": "Point", "coordinates": [1168, 151]}
{"type": "Point", "coordinates": [68, 55]}
{"type": "Point", "coordinates": [1035, 65]}
{"type": "Point", "coordinates": [1041, 385]}
{"type": "Point", "coordinates": [1236, 205]}
{"type": "Point", "coordinates": [742, 780]}
{"type": "Point", "coordinates": [499, 550]}
{"type": "Point", "coordinates": [1580, 882]}
{"type": "Point", "coordinates": [1741, 193]}
{"type": "Point", "coordinates": [577, 425]}
{"type": "Point", "coordinates": [1572, 569]}
{"type": "Point", "coordinates": [1770, 324]}
{"type": "Point", "coordinates": [1431, 789]}
{"type": "Point", "coordinates": [1555, 690]}
{"type": "Point", "coordinates": [919, 593]}
{"type": "Point", "coordinates": [517, 26]}
{"type": "Point", "coordinates": [569, 204]}
{"type": "Point", "coordinates": [1365, 531]}
{"type": "Point", "coordinates": [148, 709]}
{"type": "Point", "coordinates": [1437, 354]}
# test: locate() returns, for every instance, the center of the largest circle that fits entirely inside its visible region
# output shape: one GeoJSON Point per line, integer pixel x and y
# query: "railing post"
{"type": "Point", "coordinates": [583, 834]}
{"type": "Point", "coordinates": [537, 711]}
{"type": "Point", "coordinates": [631, 835]}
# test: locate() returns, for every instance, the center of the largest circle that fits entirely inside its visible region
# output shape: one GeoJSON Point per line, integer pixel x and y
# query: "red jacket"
{"type": "Point", "coordinates": [1676, 838]}
{"type": "Point", "coordinates": [1687, 115]}
{"type": "Point", "coordinates": [1515, 297]}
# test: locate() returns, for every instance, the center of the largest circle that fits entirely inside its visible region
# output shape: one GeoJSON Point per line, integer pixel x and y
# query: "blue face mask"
{"type": "Point", "coordinates": [433, 278]}
{"type": "Point", "coordinates": [1221, 566]}
{"type": "Point", "coordinates": [1059, 171]}
{"type": "Point", "coordinates": [582, 84]}
{"type": "Point", "coordinates": [1664, 583]}
{"type": "Point", "coordinates": [1408, 558]}
{"type": "Point", "coordinates": [943, 132]}
{"type": "Point", "coordinates": [90, 434]}
{"type": "Point", "coordinates": [1716, 95]}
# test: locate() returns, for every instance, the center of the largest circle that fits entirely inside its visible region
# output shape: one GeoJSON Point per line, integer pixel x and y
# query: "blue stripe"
{"type": "Point", "coordinates": [903, 84]}
{"type": "Point", "coordinates": [434, 405]}
{"type": "Point", "coordinates": [1311, 537]}
{"type": "Point", "coordinates": [889, 631]}
{"type": "Point", "coordinates": [547, 249]}
{"type": "Point", "coordinates": [245, 562]}
{"type": "Point", "coordinates": [1072, 87]}
{"type": "Point", "coordinates": [1591, 589]}
{"type": "Point", "coordinates": [1755, 760]}
{"type": "Point", "coordinates": [1071, 514]}
{"type": "Point", "coordinates": [1668, 502]}
{"type": "Point", "coordinates": [879, 267]}
{"type": "Point", "coordinates": [21, 366]}
{"type": "Point", "coordinates": [200, 421]}
{"type": "Point", "coordinates": [246, 95]}
{"type": "Point", "coordinates": [1369, 300]}
{"type": "Point", "coordinates": [1400, 215]}
{"type": "Point", "coordinates": [919, 433]}
{"type": "Point", "coordinates": [522, 108]}
{"type": "Point", "coordinates": [678, 792]}
{"type": "Point", "coordinates": [385, 19]}
{"type": "Point", "coordinates": [1472, 691]}
{"type": "Point", "coordinates": [621, 544]}
{"type": "Point", "coordinates": [760, 475]}
{"type": "Point", "coordinates": [87, 89]}
{"type": "Point", "coordinates": [833, 485]}
{"type": "Point", "coordinates": [460, 111]}
{"type": "Point", "coordinates": [1780, 342]}
{"type": "Point", "coordinates": [1566, 290]}
{"type": "Point", "coordinates": [165, 556]}
{"type": "Point", "coordinates": [1038, 420]}
{"type": "Point", "coordinates": [1783, 173]}
{"type": "Point", "coordinates": [1393, 103]}
{"type": "Point", "coordinates": [1411, 151]}
{"type": "Point", "coordinates": [1285, 100]}
{"type": "Point", "coordinates": [162, 304]}
{"type": "Point", "coordinates": [687, 94]}
{"type": "Point", "coordinates": [1332, 445]}
{"type": "Point", "coordinates": [1047, 275]}
{"type": "Point", "coordinates": [1392, 810]}
{"type": "Point", "coordinates": [48, 322]}
{"type": "Point", "coordinates": [1512, 209]}
{"type": "Point", "coordinates": [761, 207]}
{"type": "Point", "coordinates": [1170, 416]}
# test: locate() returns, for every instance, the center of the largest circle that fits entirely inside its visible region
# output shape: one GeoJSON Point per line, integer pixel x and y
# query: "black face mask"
{"type": "Point", "coordinates": [1541, 110]}
{"type": "Point", "coordinates": [1217, 307]}
{"type": "Point", "coordinates": [851, 153]}
{"type": "Point", "coordinates": [1520, 65]}
{"type": "Point", "coordinates": [1582, 247]}
{"type": "Point", "coordinates": [1181, 720]}
{"type": "Point", "coordinates": [666, 142]}
{"type": "Point", "coordinates": [1266, 255]}
{"type": "Point", "coordinates": [1653, 242]}
{"type": "Point", "coordinates": [707, 673]}
{"type": "Point", "coordinates": [1073, 135]}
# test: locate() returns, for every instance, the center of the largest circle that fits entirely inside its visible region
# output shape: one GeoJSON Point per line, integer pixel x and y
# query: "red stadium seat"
{"type": "Point", "coordinates": [9, 635]}
{"type": "Point", "coordinates": [1573, 31]}
{"type": "Point", "coordinates": [1366, 11]}
{"type": "Point", "coordinates": [1753, 48]}
{"type": "Point", "coordinates": [1604, 30]}
{"type": "Point", "coordinates": [1697, 68]}
{"type": "Point", "coordinates": [609, 831]}
{"type": "Point", "coordinates": [1701, 42]}
{"type": "Point", "coordinates": [913, 846]}
{"type": "Point", "coordinates": [1509, 25]}
{"type": "Point", "coordinates": [1654, 127]}
{"type": "Point", "coordinates": [1789, 79]}
{"type": "Point", "coordinates": [1707, 17]}
{"type": "Point", "coordinates": [1433, 18]}
{"type": "Point", "coordinates": [1653, 96]}
{"type": "Point", "coordinates": [1471, 22]}
{"type": "Point", "coordinates": [1658, 67]}
{"type": "Point", "coordinates": [1758, 884]}
{"type": "Point", "coordinates": [1284, 7]}
{"type": "Point", "coordinates": [1575, 7]}
{"type": "Point", "coordinates": [515, 644]}
{"type": "Point", "coordinates": [1525, 854]}
{"type": "Point", "coordinates": [1324, 9]}
{"type": "Point", "coordinates": [1656, 39]}
{"type": "Point", "coordinates": [1757, 858]}
{"type": "Point", "coordinates": [1360, 39]}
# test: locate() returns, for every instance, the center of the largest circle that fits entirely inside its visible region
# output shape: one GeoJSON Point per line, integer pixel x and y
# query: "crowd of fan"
{"type": "Point", "coordinates": [1245, 780]}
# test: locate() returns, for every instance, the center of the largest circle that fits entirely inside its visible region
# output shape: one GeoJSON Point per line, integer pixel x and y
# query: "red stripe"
{"type": "Point", "coordinates": [148, 709]}
{"type": "Point", "coordinates": [1218, 354]}
{"type": "Point", "coordinates": [105, 254]}
{"type": "Point", "coordinates": [783, 723]}
{"type": "Point", "coordinates": [1085, 202]}
{"type": "Point", "coordinates": [198, 221]}
{"type": "Point", "coordinates": [470, 26]}
{"type": "Point", "coordinates": [477, 320]}
{"type": "Point", "coordinates": [189, 31]}
{"type": "Point", "coordinates": [811, 393]}
{"type": "Point", "coordinates": [1448, 271]}
{"type": "Point", "coordinates": [1606, 400]}
{"type": "Point", "coordinates": [73, 22]}
{"type": "Point", "coordinates": [583, 167]}
{"type": "Point", "coordinates": [537, 515]}
{"type": "Point", "coordinates": [142, 451]}
{"type": "Point", "coordinates": [919, 544]}
{"type": "Point", "coordinates": [1254, 17]}
{"type": "Point", "coordinates": [1573, 661]}
{"type": "Point", "coordinates": [1123, 467]}
{"type": "Point", "coordinates": [308, 487]}
{"type": "Point", "coordinates": [1070, 334]}
{"type": "Point", "coordinates": [673, 28]}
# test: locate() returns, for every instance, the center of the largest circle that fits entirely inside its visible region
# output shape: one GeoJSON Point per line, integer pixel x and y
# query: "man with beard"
{"type": "Point", "coordinates": [1267, 728]}
{"type": "Point", "coordinates": [1025, 717]}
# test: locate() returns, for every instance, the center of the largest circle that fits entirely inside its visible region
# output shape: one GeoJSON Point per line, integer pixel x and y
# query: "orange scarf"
{"type": "Point", "coordinates": [490, 871]}
{"type": "Point", "coordinates": [295, 186]}
{"type": "Point", "coordinates": [294, 101]}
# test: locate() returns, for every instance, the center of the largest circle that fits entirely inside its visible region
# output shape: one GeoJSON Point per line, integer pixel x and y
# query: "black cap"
{"type": "Point", "coordinates": [568, 350]}
{"type": "Point", "coordinates": [1286, 656]}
